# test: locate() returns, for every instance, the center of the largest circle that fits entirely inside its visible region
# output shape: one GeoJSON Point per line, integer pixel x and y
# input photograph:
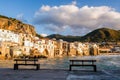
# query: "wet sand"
{"type": "Point", "coordinates": [57, 74]}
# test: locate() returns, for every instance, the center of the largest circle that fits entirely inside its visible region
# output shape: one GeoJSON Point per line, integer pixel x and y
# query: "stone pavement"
{"type": "Point", "coordinates": [55, 74]}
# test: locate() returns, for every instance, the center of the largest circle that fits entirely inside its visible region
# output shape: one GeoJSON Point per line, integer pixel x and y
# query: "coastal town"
{"type": "Point", "coordinates": [60, 40]}
{"type": "Point", "coordinates": [19, 44]}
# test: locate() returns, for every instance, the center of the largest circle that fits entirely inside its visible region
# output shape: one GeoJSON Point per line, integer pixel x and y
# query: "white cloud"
{"type": "Point", "coordinates": [74, 2]}
{"type": "Point", "coordinates": [43, 35]}
{"type": "Point", "coordinates": [79, 19]}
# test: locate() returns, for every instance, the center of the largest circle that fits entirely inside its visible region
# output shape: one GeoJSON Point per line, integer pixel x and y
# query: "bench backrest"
{"type": "Point", "coordinates": [82, 60]}
{"type": "Point", "coordinates": [25, 59]}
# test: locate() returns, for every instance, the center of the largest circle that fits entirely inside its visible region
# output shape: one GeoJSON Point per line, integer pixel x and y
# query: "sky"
{"type": "Point", "coordinates": [65, 17]}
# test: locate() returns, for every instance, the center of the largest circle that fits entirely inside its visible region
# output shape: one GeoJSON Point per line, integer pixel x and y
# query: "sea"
{"type": "Point", "coordinates": [104, 62]}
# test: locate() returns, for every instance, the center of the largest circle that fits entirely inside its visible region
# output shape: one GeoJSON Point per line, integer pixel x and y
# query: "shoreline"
{"type": "Point", "coordinates": [102, 54]}
{"type": "Point", "coordinates": [103, 61]}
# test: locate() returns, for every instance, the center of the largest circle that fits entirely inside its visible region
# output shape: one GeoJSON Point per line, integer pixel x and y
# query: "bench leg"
{"type": "Point", "coordinates": [95, 68]}
{"type": "Point", "coordinates": [15, 67]}
{"type": "Point", "coordinates": [37, 67]}
{"type": "Point", "coordinates": [70, 68]}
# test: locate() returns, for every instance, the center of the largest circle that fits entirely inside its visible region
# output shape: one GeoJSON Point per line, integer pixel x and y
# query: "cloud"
{"type": "Point", "coordinates": [80, 20]}
{"type": "Point", "coordinates": [43, 35]}
{"type": "Point", "coordinates": [74, 2]}
{"type": "Point", "coordinates": [21, 17]}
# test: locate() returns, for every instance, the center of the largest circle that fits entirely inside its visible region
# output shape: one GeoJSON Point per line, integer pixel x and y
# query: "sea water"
{"type": "Point", "coordinates": [104, 62]}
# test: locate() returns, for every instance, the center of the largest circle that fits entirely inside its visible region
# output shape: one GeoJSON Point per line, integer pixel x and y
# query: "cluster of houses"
{"type": "Point", "coordinates": [16, 44]}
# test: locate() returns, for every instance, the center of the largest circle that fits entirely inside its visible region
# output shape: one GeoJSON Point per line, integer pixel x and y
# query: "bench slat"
{"type": "Point", "coordinates": [25, 59]}
{"type": "Point", "coordinates": [82, 60]}
{"type": "Point", "coordinates": [82, 65]}
{"type": "Point", "coordinates": [25, 63]}
{"type": "Point", "coordinates": [16, 66]}
{"type": "Point", "coordinates": [76, 63]}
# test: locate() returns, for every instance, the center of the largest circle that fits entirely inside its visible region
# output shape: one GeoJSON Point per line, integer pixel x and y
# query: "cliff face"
{"type": "Point", "coordinates": [16, 25]}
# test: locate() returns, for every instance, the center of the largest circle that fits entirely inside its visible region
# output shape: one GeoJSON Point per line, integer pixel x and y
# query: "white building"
{"type": "Point", "coordinates": [6, 35]}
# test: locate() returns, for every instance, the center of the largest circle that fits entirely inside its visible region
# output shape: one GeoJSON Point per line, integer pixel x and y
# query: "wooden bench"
{"type": "Point", "coordinates": [77, 63]}
{"type": "Point", "coordinates": [26, 62]}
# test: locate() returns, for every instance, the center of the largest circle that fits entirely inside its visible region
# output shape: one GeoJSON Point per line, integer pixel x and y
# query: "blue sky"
{"type": "Point", "coordinates": [66, 17]}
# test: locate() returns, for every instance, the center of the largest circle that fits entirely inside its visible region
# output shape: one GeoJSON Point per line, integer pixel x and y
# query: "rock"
{"type": "Point", "coordinates": [16, 25]}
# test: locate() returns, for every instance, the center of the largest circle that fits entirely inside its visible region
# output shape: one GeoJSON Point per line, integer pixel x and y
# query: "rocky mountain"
{"type": "Point", "coordinates": [102, 34]}
{"type": "Point", "coordinates": [98, 35]}
{"type": "Point", "coordinates": [68, 38]}
{"type": "Point", "coordinates": [16, 25]}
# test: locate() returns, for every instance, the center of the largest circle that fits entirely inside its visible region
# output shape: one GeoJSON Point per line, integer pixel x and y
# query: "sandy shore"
{"type": "Point", "coordinates": [55, 74]}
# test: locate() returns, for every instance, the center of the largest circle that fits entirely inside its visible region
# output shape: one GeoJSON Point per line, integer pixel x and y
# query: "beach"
{"type": "Point", "coordinates": [51, 74]}
{"type": "Point", "coordinates": [108, 68]}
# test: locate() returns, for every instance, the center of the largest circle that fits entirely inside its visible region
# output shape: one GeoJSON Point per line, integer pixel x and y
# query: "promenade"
{"type": "Point", "coordinates": [57, 74]}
